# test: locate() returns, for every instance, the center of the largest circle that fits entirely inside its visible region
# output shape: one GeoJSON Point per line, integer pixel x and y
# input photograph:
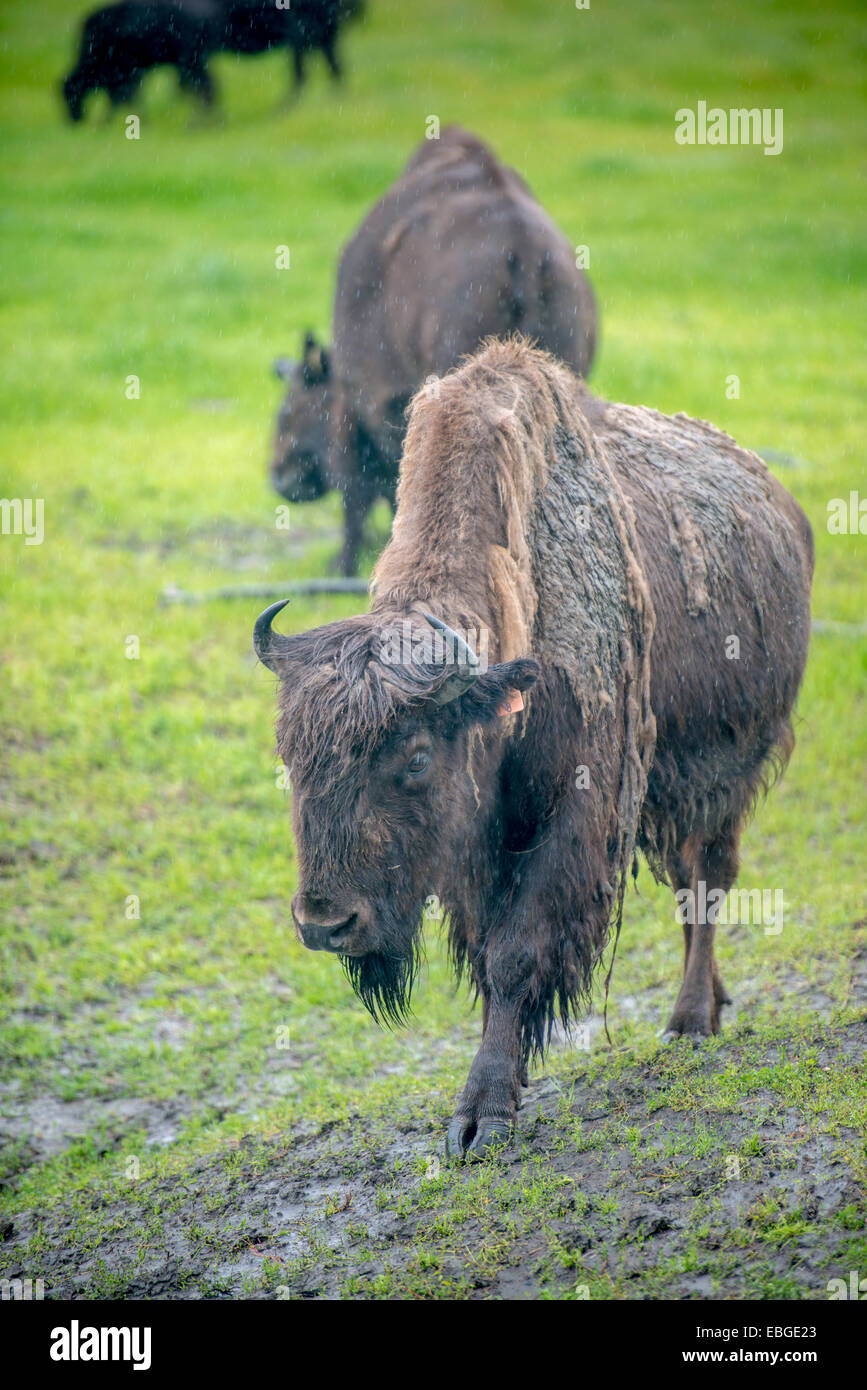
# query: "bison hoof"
{"type": "Point", "coordinates": [475, 1139]}
{"type": "Point", "coordinates": [695, 1028]}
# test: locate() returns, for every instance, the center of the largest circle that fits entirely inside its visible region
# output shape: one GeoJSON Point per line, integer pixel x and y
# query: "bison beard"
{"type": "Point", "coordinates": [611, 553]}
{"type": "Point", "coordinates": [383, 983]}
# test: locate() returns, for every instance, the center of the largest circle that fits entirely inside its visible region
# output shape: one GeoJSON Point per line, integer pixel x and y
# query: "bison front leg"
{"type": "Point", "coordinates": [355, 507]}
{"type": "Point", "coordinates": [519, 974]}
{"type": "Point", "coordinates": [506, 973]}
{"type": "Point", "coordinates": [355, 480]}
{"type": "Point", "coordinates": [486, 1109]}
{"type": "Point", "coordinates": [331, 57]}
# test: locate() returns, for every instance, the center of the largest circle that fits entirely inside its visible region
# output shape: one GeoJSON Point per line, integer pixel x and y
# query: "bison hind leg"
{"type": "Point", "coordinates": [705, 867]}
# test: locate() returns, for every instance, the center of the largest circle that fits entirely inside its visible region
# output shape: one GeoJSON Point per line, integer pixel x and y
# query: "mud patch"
{"type": "Point", "coordinates": [37, 1123]}
{"type": "Point", "coordinates": [720, 1170]}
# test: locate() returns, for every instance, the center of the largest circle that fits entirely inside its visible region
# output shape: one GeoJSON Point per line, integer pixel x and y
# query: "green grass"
{"type": "Point", "coordinates": [156, 776]}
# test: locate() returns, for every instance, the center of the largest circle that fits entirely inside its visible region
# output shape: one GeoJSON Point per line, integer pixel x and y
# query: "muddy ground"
{"type": "Point", "coordinates": [712, 1170]}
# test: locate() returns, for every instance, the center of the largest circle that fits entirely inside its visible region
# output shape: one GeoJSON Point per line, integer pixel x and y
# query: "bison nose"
{"type": "Point", "coordinates": [282, 479]}
{"type": "Point", "coordinates": [320, 926]}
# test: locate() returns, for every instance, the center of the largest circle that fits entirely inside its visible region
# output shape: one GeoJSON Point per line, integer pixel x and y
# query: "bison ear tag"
{"type": "Point", "coordinates": [514, 703]}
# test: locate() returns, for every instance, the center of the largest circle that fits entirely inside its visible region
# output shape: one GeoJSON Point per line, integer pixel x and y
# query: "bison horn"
{"type": "Point", "coordinates": [467, 662]}
{"type": "Point", "coordinates": [270, 646]}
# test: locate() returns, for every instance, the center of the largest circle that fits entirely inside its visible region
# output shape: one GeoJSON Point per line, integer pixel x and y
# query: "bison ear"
{"type": "Point", "coordinates": [498, 691]}
{"type": "Point", "coordinates": [284, 367]}
{"type": "Point", "coordinates": [315, 362]}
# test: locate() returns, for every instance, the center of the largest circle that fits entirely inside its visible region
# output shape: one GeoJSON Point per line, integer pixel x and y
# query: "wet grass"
{"type": "Point", "coordinates": [148, 783]}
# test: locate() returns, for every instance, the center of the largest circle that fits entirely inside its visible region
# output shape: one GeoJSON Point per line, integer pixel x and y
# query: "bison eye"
{"type": "Point", "coordinates": [418, 763]}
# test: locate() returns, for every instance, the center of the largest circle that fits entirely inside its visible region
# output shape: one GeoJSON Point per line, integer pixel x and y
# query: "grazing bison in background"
{"type": "Point", "coordinates": [121, 42]}
{"type": "Point", "coordinates": [456, 250]}
{"type": "Point", "coordinates": [257, 26]}
{"type": "Point", "coordinates": [602, 557]}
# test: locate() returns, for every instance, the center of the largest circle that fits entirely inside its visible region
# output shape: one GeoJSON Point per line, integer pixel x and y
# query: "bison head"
{"type": "Point", "coordinates": [299, 467]}
{"type": "Point", "coordinates": [74, 91]}
{"type": "Point", "coordinates": [375, 728]}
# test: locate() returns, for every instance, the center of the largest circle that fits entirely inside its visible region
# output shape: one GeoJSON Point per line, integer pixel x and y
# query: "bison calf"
{"type": "Point", "coordinates": [596, 561]}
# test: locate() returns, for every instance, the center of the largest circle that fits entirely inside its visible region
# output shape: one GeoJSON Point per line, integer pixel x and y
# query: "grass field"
{"type": "Point", "coordinates": [146, 1046]}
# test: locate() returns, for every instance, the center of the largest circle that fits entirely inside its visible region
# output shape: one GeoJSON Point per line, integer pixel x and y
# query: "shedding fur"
{"type": "Point", "coordinates": [645, 582]}
{"type": "Point", "coordinates": [563, 579]}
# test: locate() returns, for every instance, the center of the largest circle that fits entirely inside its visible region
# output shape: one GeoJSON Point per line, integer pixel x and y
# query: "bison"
{"type": "Point", "coordinates": [257, 26]}
{"type": "Point", "coordinates": [585, 640]}
{"type": "Point", "coordinates": [120, 42]}
{"type": "Point", "coordinates": [455, 251]}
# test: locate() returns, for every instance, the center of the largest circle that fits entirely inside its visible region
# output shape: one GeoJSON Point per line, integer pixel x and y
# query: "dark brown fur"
{"type": "Point", "coordinates": [456, 250]}
{"type": "Point", "coordinates": [609, 552]}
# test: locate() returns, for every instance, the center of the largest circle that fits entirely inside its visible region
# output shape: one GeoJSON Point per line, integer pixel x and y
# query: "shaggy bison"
{"type": "Point", "coordinates": [455, 251]}
{"type": "Point", "coordinates": [120, 42]}
{"type": "Point", "coordinates": [587, 635]}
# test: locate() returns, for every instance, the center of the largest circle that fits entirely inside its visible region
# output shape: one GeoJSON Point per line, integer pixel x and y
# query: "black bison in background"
{"type": "Point", "coordinates": [455, 251]}
{"type": "Point", "coordinates": [602, 558]}
{"type": "Point", "coordinates": [256, 26]}
{"type": "Point", "coordinates": [120, 42]}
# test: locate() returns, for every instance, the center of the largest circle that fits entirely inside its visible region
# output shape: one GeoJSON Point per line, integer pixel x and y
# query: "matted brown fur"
{"type": "Point", "coordinates": [646, 583]}
{"type": "Point", "coordinates": [498, 470]}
